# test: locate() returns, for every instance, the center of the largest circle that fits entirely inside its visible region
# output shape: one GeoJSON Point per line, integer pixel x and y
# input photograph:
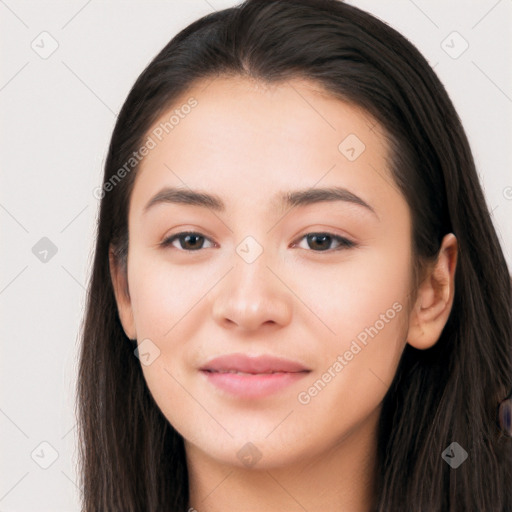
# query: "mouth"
{"type": "Point", "coordinates": [252, 377]}
{"type": "Point", "coordinates": [246, 373]}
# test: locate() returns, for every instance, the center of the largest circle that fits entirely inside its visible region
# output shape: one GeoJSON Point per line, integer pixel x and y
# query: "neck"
{"type": "Point", "coordinates": [341, 478]}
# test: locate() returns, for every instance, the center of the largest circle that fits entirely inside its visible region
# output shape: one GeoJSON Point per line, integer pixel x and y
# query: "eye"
{"type": "Point", "coordinates": [189, 240]}
{"type": "Point", "coordinates": [322, 241]}
{"type": "Point", "coordinates": [193, 241]}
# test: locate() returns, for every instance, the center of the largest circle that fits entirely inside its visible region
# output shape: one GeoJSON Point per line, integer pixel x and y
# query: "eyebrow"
{"type": "Point", "coordinates": [290, 199]}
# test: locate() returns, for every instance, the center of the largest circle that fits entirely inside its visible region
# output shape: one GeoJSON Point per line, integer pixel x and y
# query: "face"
{"type": "Point", "coordinates": [321, 283]}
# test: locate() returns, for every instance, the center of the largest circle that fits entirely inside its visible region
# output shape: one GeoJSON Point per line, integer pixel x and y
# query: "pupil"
{"type": "Point", "coordinates": [193, 237]}
{"type": "Point", "coordinates": [322, 237]}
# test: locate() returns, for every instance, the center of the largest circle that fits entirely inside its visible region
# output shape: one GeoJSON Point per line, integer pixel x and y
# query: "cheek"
{"type": "Point", "coordinates": [166, 299]}
{"type": "Point", "coordinates": [357, 366]}
{"type": "Point", "coordinates": [352, 295]}
{"type": "Point", "coordinates": [163, 293]}
{"type": "Point", "coordinates": [163, 298]}
{"type": "Point", "coordinates": [363, 302]}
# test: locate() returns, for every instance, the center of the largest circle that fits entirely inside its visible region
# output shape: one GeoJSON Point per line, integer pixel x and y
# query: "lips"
{"type": "Point", "coordinates": [243, 364]}
{"type": "Point", "coordinates": [249, 377]}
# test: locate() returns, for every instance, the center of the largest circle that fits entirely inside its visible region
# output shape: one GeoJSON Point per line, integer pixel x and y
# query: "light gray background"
{"type": "Point", "coordinates": [57, 116]}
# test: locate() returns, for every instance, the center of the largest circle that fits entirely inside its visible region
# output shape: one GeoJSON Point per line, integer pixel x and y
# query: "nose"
{"type": "Point", "coordinates": [252, 295]}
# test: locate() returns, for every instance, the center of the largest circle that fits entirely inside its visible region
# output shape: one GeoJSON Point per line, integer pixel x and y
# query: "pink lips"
{"type": "Point", "coordinates": [252, 377]}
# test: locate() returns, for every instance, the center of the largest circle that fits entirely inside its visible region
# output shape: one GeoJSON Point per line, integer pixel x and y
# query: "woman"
{"type": "Point", "coordinates": [298, 299]}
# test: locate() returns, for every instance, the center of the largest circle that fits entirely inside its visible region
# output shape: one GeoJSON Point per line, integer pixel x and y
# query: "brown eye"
{"type": "Point", "coordinates": [188, 240]}
{"type": "Point", "coordinates": [321, 242]}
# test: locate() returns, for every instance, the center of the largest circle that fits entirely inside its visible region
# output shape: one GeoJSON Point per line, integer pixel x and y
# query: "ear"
{"type": "Point", "coordinates": [434, 298]}
{"type": "Point", "coordinates": [118, 273]}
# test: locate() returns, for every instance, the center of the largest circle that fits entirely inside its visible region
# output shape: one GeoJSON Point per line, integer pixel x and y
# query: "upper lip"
{"type": "Point", "coordinates": [253, 364]}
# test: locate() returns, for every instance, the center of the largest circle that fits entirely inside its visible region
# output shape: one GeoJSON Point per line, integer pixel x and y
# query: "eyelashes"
{"type": "Point", "coordinates": [194, 238]}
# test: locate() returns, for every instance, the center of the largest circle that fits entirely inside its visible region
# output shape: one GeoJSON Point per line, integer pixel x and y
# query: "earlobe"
{"type": "Point", "coordinates": [434, 298]}
{"type": "Point", "coordinates": [120, 285]}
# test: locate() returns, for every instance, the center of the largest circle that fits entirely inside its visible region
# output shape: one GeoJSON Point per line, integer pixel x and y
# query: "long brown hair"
{"type": "Point", "coordinates": [131, 458]}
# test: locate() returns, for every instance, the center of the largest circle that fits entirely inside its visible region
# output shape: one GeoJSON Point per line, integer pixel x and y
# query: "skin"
{"type": "Point", "coordinates": [245, 142]}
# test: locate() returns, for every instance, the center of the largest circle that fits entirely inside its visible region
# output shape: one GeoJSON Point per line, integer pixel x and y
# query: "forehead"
{"type": "Point", "coordinates": [246, 140]}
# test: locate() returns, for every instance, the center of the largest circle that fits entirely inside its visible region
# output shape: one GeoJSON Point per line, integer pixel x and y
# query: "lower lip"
{"type": "Point", "coordinates": [252, 386]}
